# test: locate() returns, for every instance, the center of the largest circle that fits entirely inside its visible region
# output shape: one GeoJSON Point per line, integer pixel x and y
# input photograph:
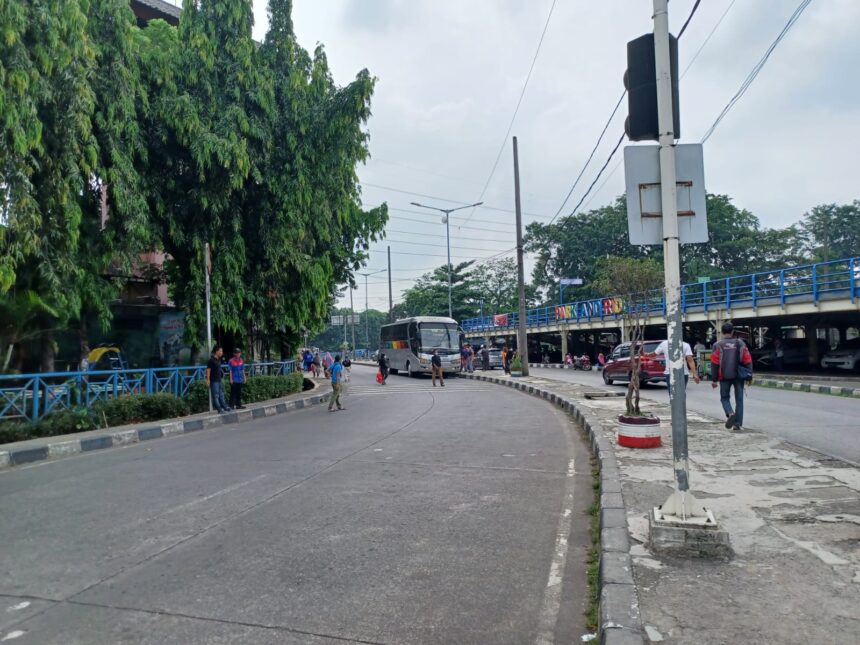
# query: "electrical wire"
{"type": "Point", "coordinates": [689, 18]}
{"type": "Point", "coordinates": [748, 81]}
{"type": "Point", "coordinates": [439, 235]}
{"type": "Point", "coordinates": [699, 51]}
{"type": "Point", "coordinates": [590, 157]}
{"type": "Point", "coordinates": [516, 110]}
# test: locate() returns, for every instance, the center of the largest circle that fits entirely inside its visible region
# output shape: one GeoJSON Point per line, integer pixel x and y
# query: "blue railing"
{"type": "Point", "coordinates": [32, 396]}
{"type": "Point", "coordinates": [806, 283]}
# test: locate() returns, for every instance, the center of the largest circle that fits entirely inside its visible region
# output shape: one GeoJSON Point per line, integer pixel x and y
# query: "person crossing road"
{"type": "Point", "coordinates": [336, 372]}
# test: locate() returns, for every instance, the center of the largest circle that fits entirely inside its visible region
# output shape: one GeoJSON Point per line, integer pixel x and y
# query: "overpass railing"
{"type": "Point", "coordinates": [805, 283]}
{"type": "Point", "coordinates": [32, 396]}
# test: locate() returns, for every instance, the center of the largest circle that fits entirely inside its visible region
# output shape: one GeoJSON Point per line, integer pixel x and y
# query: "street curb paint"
{"type": "Point", "coordinates": [169, 428]}
{"type": "Point", "coordinates": [808, 387]}
{"type": "Point", "coordinates": [619, 619]}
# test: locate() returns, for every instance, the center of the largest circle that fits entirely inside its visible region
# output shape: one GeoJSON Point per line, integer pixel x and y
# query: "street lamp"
{"type": "Point", "coordinates": [446, 216]}
{"type": "Point", "coordinates": [366, 319]}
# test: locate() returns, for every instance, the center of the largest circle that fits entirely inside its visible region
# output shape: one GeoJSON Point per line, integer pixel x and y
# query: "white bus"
{"type": "Point", "coordinates": [409, 344]}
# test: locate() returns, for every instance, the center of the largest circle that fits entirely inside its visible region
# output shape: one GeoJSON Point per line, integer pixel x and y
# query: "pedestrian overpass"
{"type": "Point", "coordinates": [809, 295]}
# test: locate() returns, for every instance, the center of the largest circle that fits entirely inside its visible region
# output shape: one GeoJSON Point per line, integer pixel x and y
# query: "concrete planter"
{"type": "Point", "coordinates": [515, 373]}
{"type": "Point", "coordinates": [639, 432]}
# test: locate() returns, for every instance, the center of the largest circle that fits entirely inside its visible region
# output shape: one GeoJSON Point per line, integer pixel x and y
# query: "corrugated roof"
{"type": "Point", "coordinates": [161, 6]}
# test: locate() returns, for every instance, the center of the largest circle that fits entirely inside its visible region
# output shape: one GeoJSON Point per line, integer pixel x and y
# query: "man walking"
{"type": "Point", "coordinates": [237, 378]}
{"type": "Point", "coordinates": [731, 367]}
{"type": "Point", "coordinates": [689, 364]}
{"type": "Point", "coordinates": [382, 361]}
{"type": "Point", "coordinates": [485, 358]}
{"type": "Point", "coordinates": [436, 368]}
{"type": "Point", "coordinates": [336, 372]}
{"type": "Point", "coordinates": [214, 377]}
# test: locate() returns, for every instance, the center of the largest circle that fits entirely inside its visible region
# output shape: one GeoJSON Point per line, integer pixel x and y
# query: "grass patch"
{"type": "Point", "coordinates": [592, 571]}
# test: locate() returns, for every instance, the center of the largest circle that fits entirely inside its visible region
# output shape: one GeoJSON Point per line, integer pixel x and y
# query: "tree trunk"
{"type": "Point", "coordinates": [83, 341]}
{"type": "Point", "coordinates": [195, 355]}
{"type": "Point", "coordinates": [46, 362]}
{"type": "Point", "coordinates": [7, 357]}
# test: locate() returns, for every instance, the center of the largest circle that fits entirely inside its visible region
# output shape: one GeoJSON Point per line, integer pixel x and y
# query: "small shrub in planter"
{"type": "Point", "coordinates": [517, 366]}
{"type": "Point", "coordinates": [66, 422]}
{"type": "Point", "coordinates": [11, 431]}
{"type": "Point", "coordinates": [134, 408]}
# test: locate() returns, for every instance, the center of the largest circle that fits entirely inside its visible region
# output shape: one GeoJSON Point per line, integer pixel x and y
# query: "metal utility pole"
{"type": "Point", "coordinates": [352, 318]}
{"type": "Point", "coordinates": [207, 270]}
{"type": "Point", "coordinates": [390, 298]}
{"type": "Point", "coordinates": [522, 338]}
{"type": "Point", "coordinates": [366, 307]}
{"type": "Point", "coordinates": [681, 503]}
{"type": "Point", "coordinates": [446, 217]}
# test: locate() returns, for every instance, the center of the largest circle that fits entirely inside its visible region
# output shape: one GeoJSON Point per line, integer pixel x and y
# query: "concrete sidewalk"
{"type": "Point", "coordinates": [23, 452]}
{"type": "Point", "coordinates": [793, 516]}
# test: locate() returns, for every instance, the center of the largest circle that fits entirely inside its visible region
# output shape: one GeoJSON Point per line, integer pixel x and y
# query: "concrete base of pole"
{"type": "Point", "coordinates": [683, 527]}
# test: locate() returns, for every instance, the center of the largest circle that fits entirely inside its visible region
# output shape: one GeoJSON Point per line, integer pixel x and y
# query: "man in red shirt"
{"type": "Point", "coordinates": [731, 368]}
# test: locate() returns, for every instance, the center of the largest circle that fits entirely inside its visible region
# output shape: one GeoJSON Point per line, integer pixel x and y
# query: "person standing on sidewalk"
{"type": "Point", "coordinates": [237, 378]}
{"type": "Point", "coordinates": [436, 368]}
{"type": "Point", "coordinates": [731, 368]}
{"type": "Point", "coordinates": [214, 378]}
{"type": "Point", "coordinates": [336, 372]}
{"type": "Point", "coordinates": [485, 358]}
{"type": "Point", "coordinates": [689, 364]}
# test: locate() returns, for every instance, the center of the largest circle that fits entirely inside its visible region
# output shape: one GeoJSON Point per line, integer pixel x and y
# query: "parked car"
{"type": "Point", "coordinates": [495, 359]}
{"type": "Point", "coordinates": [618, 368]}
{"type": "Point", "coordinates": [845, 357]}
{"type": "Point", "coordinates": [795, 353]}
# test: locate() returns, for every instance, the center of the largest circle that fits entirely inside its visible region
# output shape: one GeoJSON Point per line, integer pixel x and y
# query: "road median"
{"type": "Point", "coordinates": [793, 516]}
{"type": "Point", "coordinates": [43, 448]}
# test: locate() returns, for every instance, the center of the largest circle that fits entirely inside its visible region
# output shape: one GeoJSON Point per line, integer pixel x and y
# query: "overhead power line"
{"type": "Point", "coordinates": [516, 110]}
{"type": "Point", "coordinates": [702, 46]}
{"type": "Point", "coordinates": [757, 68]}
{"type": "Point", "coordinates": [617, 145]}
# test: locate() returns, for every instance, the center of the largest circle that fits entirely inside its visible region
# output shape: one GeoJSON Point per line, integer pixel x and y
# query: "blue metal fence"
{"type": "Point", "coordinates": [32, 396]}
{"type": "Point", "coordinates": [806, 283]}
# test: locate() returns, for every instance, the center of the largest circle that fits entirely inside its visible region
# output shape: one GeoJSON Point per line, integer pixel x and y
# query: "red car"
{"type": "Point", "coordinates": [651, 367]}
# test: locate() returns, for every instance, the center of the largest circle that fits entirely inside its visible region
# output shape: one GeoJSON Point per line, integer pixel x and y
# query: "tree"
{"type": "Point", "coordinates": [636, 280]}
{"type": "Point", "coordinates": [429, 296]}
{"type": "Point", "coordinates": [569, 248]}
{"type": "Point", "coordinates": [832, 232]}
{"type": "Point", "coordinates": [496, 284]}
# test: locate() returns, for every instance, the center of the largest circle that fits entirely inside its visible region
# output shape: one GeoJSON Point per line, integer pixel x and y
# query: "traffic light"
{"type": "Point", "coordinates": [640, 80]}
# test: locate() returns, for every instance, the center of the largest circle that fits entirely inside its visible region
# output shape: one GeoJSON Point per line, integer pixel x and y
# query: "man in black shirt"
{"type": "Point", "coordinates": [436, 368]}
{"type": "Point", "coordinates": [213, 379]}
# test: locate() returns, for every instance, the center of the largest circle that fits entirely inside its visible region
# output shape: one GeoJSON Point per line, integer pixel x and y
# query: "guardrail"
{"type": "Point", "coordinates": [809, 282]}
{"type": "Point", "coordinates": [32, 396]}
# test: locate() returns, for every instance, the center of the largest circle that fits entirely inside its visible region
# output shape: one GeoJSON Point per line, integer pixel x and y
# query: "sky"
{"type": "Point", "coordinates": [450, 74]}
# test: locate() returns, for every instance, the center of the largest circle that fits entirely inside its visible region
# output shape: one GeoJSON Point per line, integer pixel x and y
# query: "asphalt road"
{"type": "Point", "coordinates": [826, 423]}
{"type": "Point", "coordinates": [415, 516]}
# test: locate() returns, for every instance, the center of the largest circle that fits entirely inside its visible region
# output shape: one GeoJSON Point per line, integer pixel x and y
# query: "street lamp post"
{"type": "Point", "coordinates": [366, 319]}
{"type": "Point", "coordinates": [446, 221]}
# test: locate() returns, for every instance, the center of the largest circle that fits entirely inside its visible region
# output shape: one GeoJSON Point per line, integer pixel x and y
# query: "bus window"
{"type": "Point", "coordinates": [439, 336]}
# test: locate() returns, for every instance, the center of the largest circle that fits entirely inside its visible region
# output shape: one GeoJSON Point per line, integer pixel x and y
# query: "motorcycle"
{"type": "Point", "coordinates": [582, 363]}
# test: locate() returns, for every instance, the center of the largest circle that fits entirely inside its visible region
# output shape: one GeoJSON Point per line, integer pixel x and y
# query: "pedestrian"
{"type": "Point", "coordinates": [485, 358]}
{"type": "Point", "coordinates": [778, 355]}
{"type": "Point", "coordinates": [731, 368]}
{"type": "Point", "coordinates": [317, 364]}
{"type": "Point", "coordinates": [436, 368]}
{"type": "Point", "coordinates": [382, 361]}
{"type": "Point", "coordinates": [336, 373]}
{"type": "Point", "coordinates": [328, 361]}
{"type": "Point", "coordinates": [689, 364]}
{"type": "Point", "coordinates": [506, 359]}
{"type": "Point", "coordinates": [308, 360]}
{"type": "Point", "coordinates": [214, 377]}
{"type": "Point", "coordinates": [237, 379]}
{"type": "Point", "coordinates": [347, 369]}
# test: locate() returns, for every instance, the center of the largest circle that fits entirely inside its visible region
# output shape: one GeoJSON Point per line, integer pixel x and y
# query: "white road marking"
{"type": "Point", "coordinates": [19, 606]}
{"type": "Point", "coordinates": [12, 635]}
{"type": "Point", "coordinates": [551, 604]}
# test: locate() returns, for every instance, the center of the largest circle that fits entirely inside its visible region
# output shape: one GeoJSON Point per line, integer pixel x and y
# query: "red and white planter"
{"type": "Point", "coordinates": [639, 432]}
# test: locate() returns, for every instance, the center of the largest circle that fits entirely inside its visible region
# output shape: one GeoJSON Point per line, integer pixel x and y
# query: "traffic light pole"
{"type": "Point", "coordinates": [681, 505]}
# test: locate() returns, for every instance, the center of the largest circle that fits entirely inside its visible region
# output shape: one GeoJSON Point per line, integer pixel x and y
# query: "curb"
{"type": "Point", "coordinates": [158, 430]}
{"type": "Point", "coordinates": [619, 620]}
{"type": "Point", "coordinates": [808, 387]}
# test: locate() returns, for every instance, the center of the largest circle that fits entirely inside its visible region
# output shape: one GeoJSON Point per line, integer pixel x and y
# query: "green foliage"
{"type": "Point", "coordinates": [135, 408]}
{"type": "Point", "coordinates": [832, 232]}
{"type": "Point", "coordinates": [67, 422]}
{"type": "Point", "coordinates": [496, 284]}
{"type": "Point", "coordinates": [256, 388]}
{"type": "Point", "coordinates": [517, 363]}
{"type": "Point", "coordinates": [429, 296]}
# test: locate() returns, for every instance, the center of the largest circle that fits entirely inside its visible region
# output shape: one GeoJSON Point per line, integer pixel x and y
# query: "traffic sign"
{"type": "Point", "coordinates": [571, 281]}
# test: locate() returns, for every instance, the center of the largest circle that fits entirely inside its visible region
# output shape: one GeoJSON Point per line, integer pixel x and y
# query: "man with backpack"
{"type": "Point", "coordinates": [731, 368]}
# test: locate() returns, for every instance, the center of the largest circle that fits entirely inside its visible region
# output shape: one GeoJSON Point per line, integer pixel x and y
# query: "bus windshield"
{"type": "Point", "coordinates": [439, 336]}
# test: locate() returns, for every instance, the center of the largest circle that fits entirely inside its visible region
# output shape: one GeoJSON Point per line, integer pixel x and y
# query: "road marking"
{"type": "Point", "coordinates": [12, 635]}
{"type": "Point", "coordinates": [551, 604]}
{"type": "Point", "coordinates": [20, 605]}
